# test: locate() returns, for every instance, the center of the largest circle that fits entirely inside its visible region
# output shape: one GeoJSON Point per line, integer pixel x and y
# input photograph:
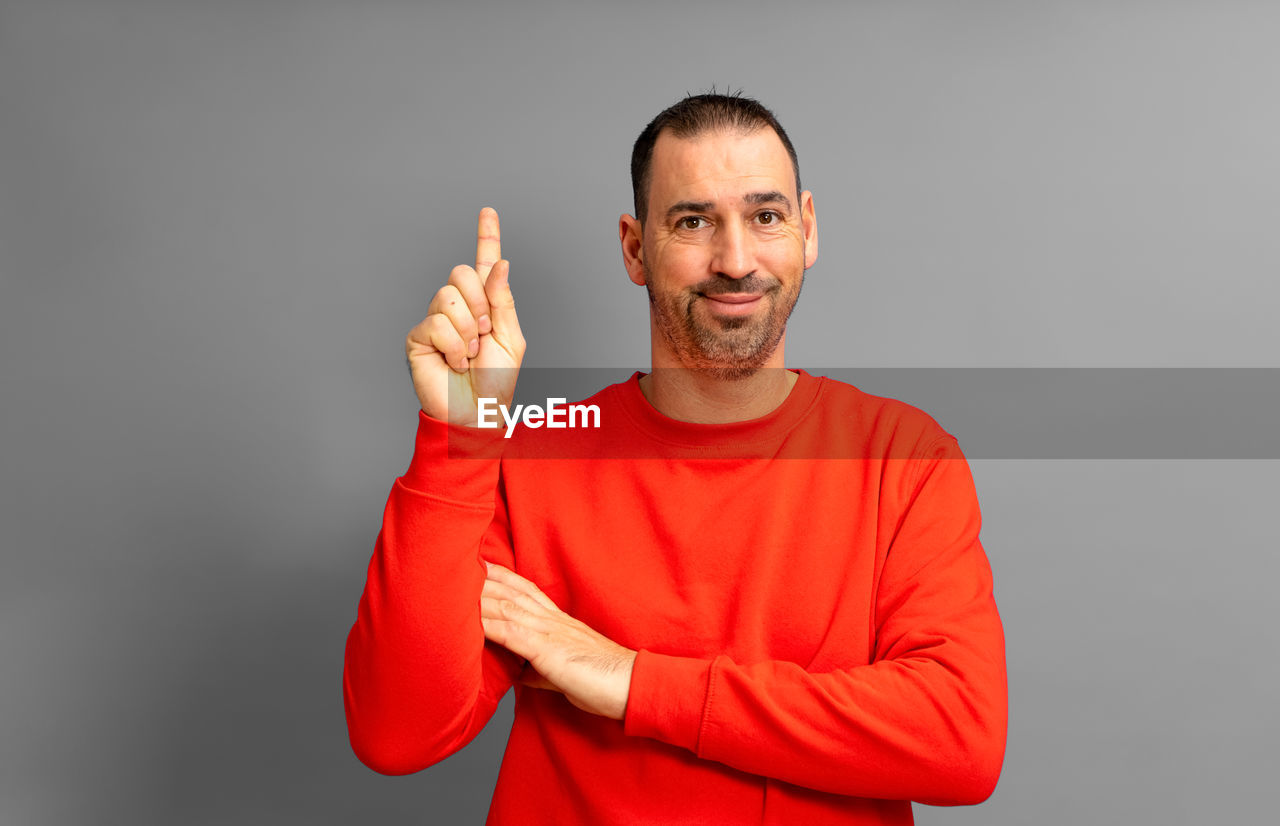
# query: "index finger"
{"type": "Point", "coordinates": [488, 242]}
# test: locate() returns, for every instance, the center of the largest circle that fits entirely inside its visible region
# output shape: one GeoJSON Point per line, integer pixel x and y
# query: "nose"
{"type": "Point", "coordinates": [733, 254]}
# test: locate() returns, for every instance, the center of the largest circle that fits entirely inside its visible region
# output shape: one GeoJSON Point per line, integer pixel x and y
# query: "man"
{"type": "Point", "coordinates": [750, 596]}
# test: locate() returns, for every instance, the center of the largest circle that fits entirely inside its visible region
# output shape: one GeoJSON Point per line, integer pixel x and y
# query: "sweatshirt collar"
{"type": "Point", "coordinates": [766, 430]}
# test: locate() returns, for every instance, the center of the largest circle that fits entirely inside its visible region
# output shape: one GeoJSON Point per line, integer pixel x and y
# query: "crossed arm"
{"type": "Point", "coordinates": [923, 721]}
{"type": "Point", "coordinates": [909, 726]}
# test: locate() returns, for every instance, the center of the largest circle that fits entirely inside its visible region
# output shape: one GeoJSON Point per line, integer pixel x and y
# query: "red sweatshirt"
{"type": "Point", "coordinates": [813, 612]}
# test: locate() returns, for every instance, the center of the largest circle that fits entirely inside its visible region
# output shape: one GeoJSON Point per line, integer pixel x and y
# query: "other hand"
{"type": "Point", "coordinates": [592, 671]}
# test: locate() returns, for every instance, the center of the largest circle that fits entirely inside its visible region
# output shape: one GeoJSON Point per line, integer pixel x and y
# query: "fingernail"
{"type": "Point", "coordinates": [465, 364]}
{"type": "Point", "coordinates": [474, 346]}
{"type": "Point", "coordinates": [485, 324]}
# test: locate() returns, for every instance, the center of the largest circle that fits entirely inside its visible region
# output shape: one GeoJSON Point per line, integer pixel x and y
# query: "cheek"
{"type": "Point", "coordinates": [680, 265]}
{"type": "Point", "coordinates": [782, 254]}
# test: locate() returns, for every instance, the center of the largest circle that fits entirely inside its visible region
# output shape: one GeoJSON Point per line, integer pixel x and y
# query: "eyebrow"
{"type": "Point", "coordinates": [755, 198]}
{"type": "Point", "coordinates": [689, 206]}
{"type": "Point", "coordinates": [774, 197]}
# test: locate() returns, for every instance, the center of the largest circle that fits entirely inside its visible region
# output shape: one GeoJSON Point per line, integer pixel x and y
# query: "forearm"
{"type": "Point", "coordinates": [916, 728]}
{"type": "Point", "coordinates": [922, 718]}
{"type": "Point", "coordinates": [418, 680]}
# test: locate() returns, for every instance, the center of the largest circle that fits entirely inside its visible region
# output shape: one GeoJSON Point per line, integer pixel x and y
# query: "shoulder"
{"type": "Point", "coordinates": [875, 427]}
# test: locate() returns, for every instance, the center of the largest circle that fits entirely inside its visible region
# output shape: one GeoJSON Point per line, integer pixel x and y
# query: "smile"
{"type": "Point", "coordinates": [734, 303]}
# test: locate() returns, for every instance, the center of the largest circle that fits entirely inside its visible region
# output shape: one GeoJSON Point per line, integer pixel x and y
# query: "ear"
{"type": "Point", "coordinates": [631, 236]}
{"type": "Point", "coordinates": [809, 223]}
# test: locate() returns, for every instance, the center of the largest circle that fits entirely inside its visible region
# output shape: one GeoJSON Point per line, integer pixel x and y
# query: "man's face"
{"type": "Point", "coordinates": [724, 249]}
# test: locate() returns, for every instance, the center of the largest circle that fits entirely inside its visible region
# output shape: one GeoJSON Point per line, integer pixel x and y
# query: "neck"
{"type": "Point", "coordinates": [691, 395]}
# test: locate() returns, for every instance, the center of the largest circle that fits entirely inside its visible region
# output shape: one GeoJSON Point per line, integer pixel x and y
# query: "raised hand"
{"type": "Point", "coordinates": [469, 346]}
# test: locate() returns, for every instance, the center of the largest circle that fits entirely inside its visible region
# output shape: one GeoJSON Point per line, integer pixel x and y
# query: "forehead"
{"type": "Point", "coordinates": [718, 166]}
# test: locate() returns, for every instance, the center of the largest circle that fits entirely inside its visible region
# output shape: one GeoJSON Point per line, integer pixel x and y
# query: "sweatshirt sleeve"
{"type": "Point", "coordinates": [925, 720]}
{"type": "Point", "coordinates": [419, 678]}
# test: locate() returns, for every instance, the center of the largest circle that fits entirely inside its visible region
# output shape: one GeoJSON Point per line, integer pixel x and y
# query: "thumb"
{"type": "Point", "coordinates": [502, 305]}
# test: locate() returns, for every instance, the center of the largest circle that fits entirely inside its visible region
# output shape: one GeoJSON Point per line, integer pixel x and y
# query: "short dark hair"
{"type": "Point", "coordinates": [696, 115]}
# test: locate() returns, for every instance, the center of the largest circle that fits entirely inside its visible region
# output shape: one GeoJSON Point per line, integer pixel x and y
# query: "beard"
{"type": "Point", "coordinates": [732, 347]}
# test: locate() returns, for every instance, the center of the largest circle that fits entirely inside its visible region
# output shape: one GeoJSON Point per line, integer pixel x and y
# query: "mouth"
{"type": "Point", "coordinates": [734, 303]}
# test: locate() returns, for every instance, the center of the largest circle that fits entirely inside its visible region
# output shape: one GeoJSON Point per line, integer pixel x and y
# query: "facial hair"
{"type": "Point", "coordinates": [728, 348]}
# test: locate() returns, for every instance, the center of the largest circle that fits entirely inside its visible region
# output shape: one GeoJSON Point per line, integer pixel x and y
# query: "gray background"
{"type": "Point", "coordinates": [218, 220]}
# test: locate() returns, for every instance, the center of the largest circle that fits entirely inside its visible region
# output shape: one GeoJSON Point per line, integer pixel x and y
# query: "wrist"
{"type": "Point", "coordinates": [452, 460]}
{"type": "Point", "coordinates": [626, 664]}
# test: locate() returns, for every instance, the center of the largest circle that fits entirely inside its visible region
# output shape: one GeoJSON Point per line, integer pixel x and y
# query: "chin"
{"type": "Point", "coordinates": [733, 372]}
{"type": "Point", "coordinates": [730, 360]}
{"type": "Point", "coordinates": [730, 348]}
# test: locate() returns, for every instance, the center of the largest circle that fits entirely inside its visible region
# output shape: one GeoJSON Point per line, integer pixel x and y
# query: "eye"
{"type": "Point", "coordinates": [769, 217]}
{"type": "Point", "coordinates": [691, 222]}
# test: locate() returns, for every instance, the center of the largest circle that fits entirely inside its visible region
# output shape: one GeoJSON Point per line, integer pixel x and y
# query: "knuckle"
{"type": "Point", "coordinates": [471, 288]}
{"type": "Point", "coordinates": [439, 301]}
{"type": "Point", "coordinates": [463, 280]}
{"type": "Point", "coordinates": [438, 325]}
{"type": "Point", "coordinates": [444, 338]}
{"type": "Point", "coordinates": [448, 295]}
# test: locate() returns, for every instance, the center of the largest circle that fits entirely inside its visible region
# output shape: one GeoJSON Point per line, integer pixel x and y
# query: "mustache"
{"type": "Point", "coordinates": [723, 285]}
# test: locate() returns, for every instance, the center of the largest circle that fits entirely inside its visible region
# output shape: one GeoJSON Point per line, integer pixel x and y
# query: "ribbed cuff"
{"type": "Point", "coordinates": [454, 462]}
{"type": "Point", "coordinates": [668, 698]}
